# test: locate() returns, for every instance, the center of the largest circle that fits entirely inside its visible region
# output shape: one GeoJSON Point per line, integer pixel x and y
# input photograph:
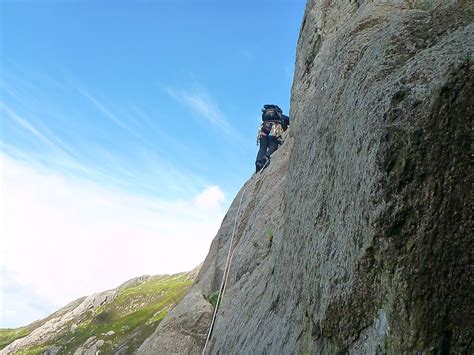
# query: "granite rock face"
{"type": "Point", "coordinates": [257, 215]}
{"type": "Point", "coordinates": [389, 115]}
{"type": "Point", "coordinates": [358, 237]}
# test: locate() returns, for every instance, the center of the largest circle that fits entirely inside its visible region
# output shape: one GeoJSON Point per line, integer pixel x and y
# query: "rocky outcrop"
{"type": "Point", "coordinates": [182, 332]}
{"type": "Point", "coordinates": [62, 323]}
{"type": "Point", "coordinates": [115, 321]}
{"type": "Point", "coordinates": [358, 237]}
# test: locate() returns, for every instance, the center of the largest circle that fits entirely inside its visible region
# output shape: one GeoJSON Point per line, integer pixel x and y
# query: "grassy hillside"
{"type": "Point", "coordinates": [9, 335]}
{"type": "Point", "coordinates": [124, 323]}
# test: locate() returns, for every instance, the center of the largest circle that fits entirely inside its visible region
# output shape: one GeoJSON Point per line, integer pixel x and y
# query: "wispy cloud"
{"type": "Point", "coordinates": [25, 124]}
{"type": "Point", "coordinates": [147, 173]}
{"type": "Point", "coordinates": [107, 112]}
{"type": "Point", "coordinates": [201, 103]}
{"type": "Point", "coordinates": [152, 124]}
{"type": "Point", "coordinates": [57, 151]}
{"type": "Point", "coordinates": [104, 110]}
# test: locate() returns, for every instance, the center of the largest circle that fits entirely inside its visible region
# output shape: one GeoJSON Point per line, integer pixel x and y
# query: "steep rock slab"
{"type": "Point", "coordinates": [257, 214]}
{"type": "Point", "coordinates": [375, 254]}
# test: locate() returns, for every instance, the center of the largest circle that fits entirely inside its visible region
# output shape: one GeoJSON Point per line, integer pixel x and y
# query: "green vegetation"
{"type": "Point", "coordinates": [136, 309]}
{"type": "Point", "coordinates": [213, 298]}
{"type": "Point", "coordinates": [9, 335]}
{"type": "Point", "coordinates": [425, 5]}
{"type": "Point", "coordinates": [35, 350]}
{"type": "Point", "coordinates": [269, 235]}
{"type": "Point", "coordinates": [126, 321]}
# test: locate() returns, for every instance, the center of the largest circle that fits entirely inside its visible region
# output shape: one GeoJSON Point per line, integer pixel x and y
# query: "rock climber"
{"type": "Point", "coordinates": [270, 133]}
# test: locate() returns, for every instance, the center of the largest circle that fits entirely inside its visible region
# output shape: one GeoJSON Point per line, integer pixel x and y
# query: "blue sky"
{"type": "Point", "coordinates": [127, 123]}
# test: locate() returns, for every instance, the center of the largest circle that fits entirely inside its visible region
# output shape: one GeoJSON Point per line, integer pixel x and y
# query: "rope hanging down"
{"type": "Point", "coordinates": [224, 277]}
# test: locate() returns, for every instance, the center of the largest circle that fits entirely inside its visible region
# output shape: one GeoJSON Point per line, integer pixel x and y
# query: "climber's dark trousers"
{"type": "Point", "coordinates": [268, 144]}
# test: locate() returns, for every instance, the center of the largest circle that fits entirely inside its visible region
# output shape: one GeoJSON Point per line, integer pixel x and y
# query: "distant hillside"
{"type": "Point", "coordinates": [115, 321]}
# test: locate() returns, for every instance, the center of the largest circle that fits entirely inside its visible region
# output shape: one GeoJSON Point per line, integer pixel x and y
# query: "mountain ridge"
{"type": "Point", "coordinates": [115, 320]}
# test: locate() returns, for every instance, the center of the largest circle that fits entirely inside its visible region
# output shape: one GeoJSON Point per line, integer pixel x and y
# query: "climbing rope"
{"type": "Point", "coordinates": [224, 277]}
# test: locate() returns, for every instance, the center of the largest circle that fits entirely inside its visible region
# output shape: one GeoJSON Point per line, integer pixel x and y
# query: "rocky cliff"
{"type": "Point", "coordinates": [358, 237]}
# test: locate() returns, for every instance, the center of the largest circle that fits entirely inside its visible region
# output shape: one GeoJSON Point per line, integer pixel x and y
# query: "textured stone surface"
{"type": "Point", "coordinates": [358, 237]}
{"type": "Point", "coordinates": [258, 230]}
{"type": "Point", "coordinates": [183, 330]}
{"type": "Point", "coordinates": [390, 118]}
{"type": "Point", "coordinates": [60, 322]}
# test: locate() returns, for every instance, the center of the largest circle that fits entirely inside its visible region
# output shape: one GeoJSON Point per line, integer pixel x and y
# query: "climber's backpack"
{"type": "Point", "coordinates": [271, 113]}
{"type": "Point", "coordinates": [285, 122]}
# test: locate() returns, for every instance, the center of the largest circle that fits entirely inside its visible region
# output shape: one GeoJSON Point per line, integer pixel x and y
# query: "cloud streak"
{"type": "Point", "coordinates": [105, 111]}
{"type": "Point", "coordinates": [25, 124]}
{"type": "Point", "coordinates": [57, 153]}
{"type": "Point", "coordinates": [201, 103]}
{"type": "Point", "coordinates": [58, 148]}
{"type": "Point", "coordinates": [102, 164]}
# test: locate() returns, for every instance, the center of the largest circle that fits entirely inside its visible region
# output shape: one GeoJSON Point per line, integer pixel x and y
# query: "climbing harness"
{"type": "Point", "coordinates": [269, 128]}
{"type": "Point", "coordinates": [228, 263]}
